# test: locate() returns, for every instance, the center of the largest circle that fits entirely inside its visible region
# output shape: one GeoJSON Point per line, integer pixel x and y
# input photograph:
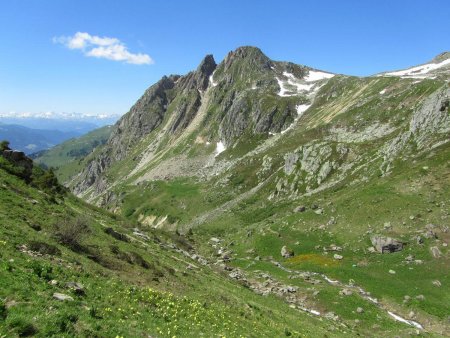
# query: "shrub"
{"type": "Point", "coordinates": [117, 235]}
{"type": "Point", "coordinates": [4, 145]}
{"type": "Point", "coordinates": [42, 270]}
{"type": "Point", "coordinates": [23, 327]}
{"type": "Point", "coordinates": [72, 231]}
{"type": "Point", "coordinates": [44, 248]}
{"type": "Point", "coordinates": [3, 311]}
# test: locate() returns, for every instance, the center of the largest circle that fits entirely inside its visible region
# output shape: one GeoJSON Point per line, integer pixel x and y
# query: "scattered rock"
{"type": "Point", "coordinates": [435, 252]}
{"type": "Point", "coordinates": [411, 314]}
{"type": "Point", "coordinates": [409, 258]}
{"type": "Point", "coordinates": [214, 240]}
{"type": "Point", "coordinates": [300, 208]}
{"type": "Point", "coordinates": [286, 253]}
{"type": "Point", "coordinates": [392, 272]}
{"type": "Point", "coordinates": [318, 211]}
{"type": "Point", "coordinates": [420, 297]}
{"type": "Point", "coordinates": [76, 287]}
{"type": "Point", "coordinates": [360, 310]}
{"type": "Point", "coordinates": [437, 283]}
{"type": "Point", "coordinates": [62, 297]}
{"type": "Point", "coordinates": [386, 244]}
{"type": "Point", "coordinates": [345, 292]}
{"type": "Point", "coordinates": [406, 299]}
{"type": "Point", "coordinates": [338, 257]}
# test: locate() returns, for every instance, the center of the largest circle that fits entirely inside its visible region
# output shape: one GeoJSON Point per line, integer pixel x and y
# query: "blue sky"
{"type": "Point", "coordinates": [38, 72]}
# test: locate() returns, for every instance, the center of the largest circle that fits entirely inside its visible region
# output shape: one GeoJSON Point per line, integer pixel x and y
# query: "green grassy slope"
{"type": "Point", "coordinates": [133, 285]}
{"type": "Point", "coordinates": [67, 157]}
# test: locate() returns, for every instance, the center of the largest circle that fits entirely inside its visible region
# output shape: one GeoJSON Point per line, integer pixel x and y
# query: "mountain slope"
{"type": "Point", "coordinates": [70, 269]}
{"type": "Point", "coordinates": [297, 174]}
{"type": "Point", "coordinates": [67, 157]}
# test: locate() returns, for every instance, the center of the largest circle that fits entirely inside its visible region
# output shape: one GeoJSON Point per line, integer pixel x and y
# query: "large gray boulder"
{"type": "Point", "coordinates": [384, 244]}
{"type": "Point", "coordinates": [286, 253]}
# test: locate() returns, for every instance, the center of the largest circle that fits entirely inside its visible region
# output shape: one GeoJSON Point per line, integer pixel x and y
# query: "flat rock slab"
{"type": "Point", "coordinates": [62, 296]}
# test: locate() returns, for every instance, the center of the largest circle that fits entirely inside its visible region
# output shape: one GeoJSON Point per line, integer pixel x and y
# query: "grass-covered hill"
{"type": "Point", "coordinates": [67, 157]}
{"type": "Point", "coordinates": [71, 269]}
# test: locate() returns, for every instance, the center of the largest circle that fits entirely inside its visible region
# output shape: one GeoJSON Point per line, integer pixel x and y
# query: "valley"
{"type": "Point", "coordinates": [248, 198]}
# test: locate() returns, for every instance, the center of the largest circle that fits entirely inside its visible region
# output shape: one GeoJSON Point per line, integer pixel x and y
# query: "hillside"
{"type": "Point", "coordinates": [300, 176]}
{"type": "Point", "coordinates": [71, 269]}
{"type": "Point", "coordinates": [67, 158]}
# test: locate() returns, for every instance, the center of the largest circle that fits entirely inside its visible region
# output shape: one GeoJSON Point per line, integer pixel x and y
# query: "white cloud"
{"type": "Point", "coordinates": [103, 47]}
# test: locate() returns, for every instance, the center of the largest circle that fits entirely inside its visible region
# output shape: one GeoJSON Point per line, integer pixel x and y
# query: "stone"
{"type": "Point", "coordinates": [409, 258]}
{"type": "Point", "coordinates": [318, 211]}
{"type": "Point", "coordinates": [345, 292]}
{"type": "Point", "coordinates": [62, 297]}
{"type": "Point", "coordinates": [392, 272]}
{"type": "Point", "coordinates": [360, 310]}
{"type": "Point", "coordinates": [286, 253]}
{"type": "Point", "coordinates": [437, 283]}
{"type": "Point", "coordinates": [214, 240]}
{"type": "Point", "coordinates": [435, 252]}
{"type": "Point", "coordinates": [420, 297]}
{"type": "Point", "coordinates": [386, 244]}
{"type": "Point", "coordinates": [337, 257]}
{"type": "Point", "coordinates": [300, 208]}
{"type": "Point", "coordinates": [76, 287]}
{"type": "Point", "coordinates": [411, 314]}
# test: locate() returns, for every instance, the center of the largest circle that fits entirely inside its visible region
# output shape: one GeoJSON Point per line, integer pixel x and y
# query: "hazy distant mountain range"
{"type": "Point", "coordinates": [34, 132]}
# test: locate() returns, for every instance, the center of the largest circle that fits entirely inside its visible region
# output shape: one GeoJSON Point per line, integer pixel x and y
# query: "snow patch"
{"type": "Point", "coordinates": [220, 148]}
{"type": "Point", "coordinates": [314, 312]}
{"type": "Point", "coordinates": [330, 280]}
{"type": "Point", "coordinates": [293, 82]}
{"type": "Point", "coordinates": [418, 72]}
{"type": "Point", "coordinates": [301, 108]}
{"type": "Point", "coordinates": [211, 81]}
{"type": "Point", "coordinates": [403, 320]}
{"type": "Point", "coordinates": [315, 75]}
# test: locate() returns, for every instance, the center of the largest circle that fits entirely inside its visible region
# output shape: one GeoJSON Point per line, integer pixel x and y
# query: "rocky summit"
{"type": "Point", "coordinates": [249, 197]}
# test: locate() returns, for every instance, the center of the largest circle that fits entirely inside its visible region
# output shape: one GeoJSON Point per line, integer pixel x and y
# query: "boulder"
{"type": "Point", "coordinates": [76, 287]}
{"type": "Point", "coordinates": [345, 292]}
{"type": "Point", "coordinates": [435, 252]}
{"type": "Point", "coordinates": [286, 253]}
{"type": "Point", "coordinates": [300, 208]}
{"type": "Point", "coordinates": [62, 296]}
{"type": "Point", "coordinates": [386, 244]}
{"type": "Point", "coordinates": [338, 257]}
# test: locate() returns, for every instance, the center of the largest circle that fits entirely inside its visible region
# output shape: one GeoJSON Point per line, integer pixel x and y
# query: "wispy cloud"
{"type": "Point", "coordinates": [103, 47]}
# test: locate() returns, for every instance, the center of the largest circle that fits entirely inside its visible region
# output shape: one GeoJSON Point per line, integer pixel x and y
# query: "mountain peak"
{"type": "Point", "coordinates": [245, 52]}
{"type": "Point", "coordinates": [207, 65]}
